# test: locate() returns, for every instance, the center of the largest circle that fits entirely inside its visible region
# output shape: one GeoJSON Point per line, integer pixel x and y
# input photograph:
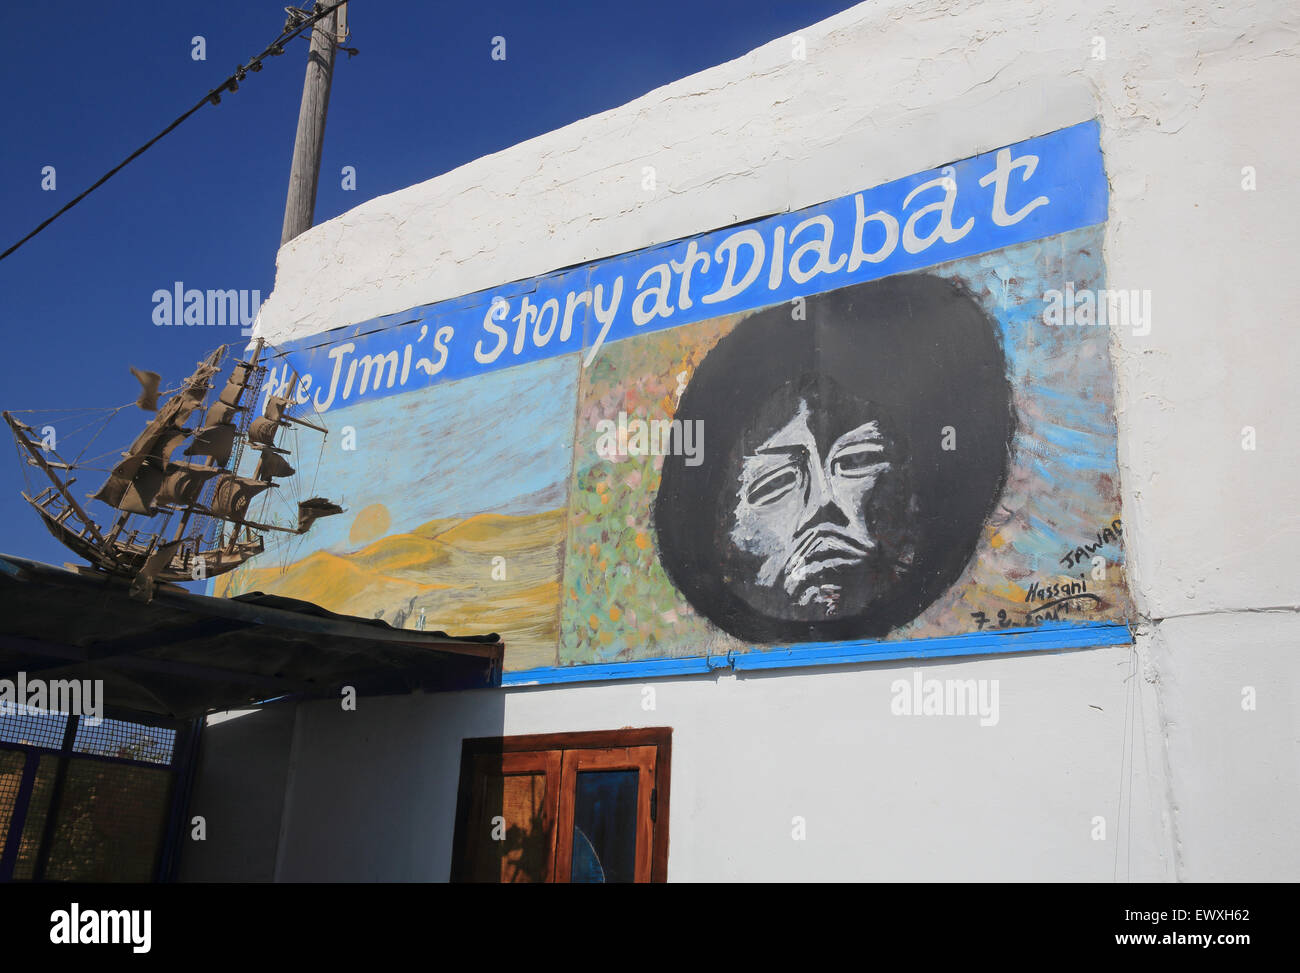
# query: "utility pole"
{"type": "Point", "coordinates": [300, 207]}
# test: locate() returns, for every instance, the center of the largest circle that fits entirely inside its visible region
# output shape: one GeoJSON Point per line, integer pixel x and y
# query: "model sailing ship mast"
{"type": "Point", "coordinates": [207, 496]}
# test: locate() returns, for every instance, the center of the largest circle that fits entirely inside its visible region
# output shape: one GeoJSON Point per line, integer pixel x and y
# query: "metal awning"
{"type": "Point", "coordinates": [183, 655]}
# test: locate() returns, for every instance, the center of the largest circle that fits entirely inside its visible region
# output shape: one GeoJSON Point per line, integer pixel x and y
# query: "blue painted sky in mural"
{"type": "Point", "coordinates": [506, 448]}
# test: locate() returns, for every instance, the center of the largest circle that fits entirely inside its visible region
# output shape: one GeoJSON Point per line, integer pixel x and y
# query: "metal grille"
{"type": "Point", "coordinates": [38, 810]}
{"type": "Point", "coordinates": [93, 801]}
{"type": "Point", "coordinates": [128, 741]}
{"type": "Point", "coordinates": [11, 778]}
{"type": "Point", "coordinates": [110, 823]}
{"type": "Point", "coordinates": [33, 729]}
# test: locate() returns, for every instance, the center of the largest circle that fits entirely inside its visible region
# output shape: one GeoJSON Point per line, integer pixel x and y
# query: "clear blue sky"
{"type": "Point", "coordinates": [85, 84]}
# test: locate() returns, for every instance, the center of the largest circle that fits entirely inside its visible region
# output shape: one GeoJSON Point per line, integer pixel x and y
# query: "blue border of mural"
{"type": "Point", "coordinates": [968, 645]}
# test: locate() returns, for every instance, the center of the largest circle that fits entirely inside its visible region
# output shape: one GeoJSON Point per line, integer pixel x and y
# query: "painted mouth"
{"type": "Point", "coordinates": [826, 596]}
{"type": "Point", "coordinates": [823, 549]}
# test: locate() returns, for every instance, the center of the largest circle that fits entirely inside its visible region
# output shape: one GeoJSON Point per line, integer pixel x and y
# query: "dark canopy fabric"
{"type": "Point", "coordinates": [182, 655]}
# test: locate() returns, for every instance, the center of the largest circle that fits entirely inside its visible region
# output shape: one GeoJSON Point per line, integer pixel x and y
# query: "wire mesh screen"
{"type": "Point", "coordinates": [33, 729]}
{"type": "Point", "coordinates": [95, 811]}
{"type": "Point", "coordinates": [110, 823]}
{"type": "Point", "coordinates": [11, 778]}
{"type": "Point", "coordinates": [38, 810]}
{"type": "Point", "coordinates": [128, 741]}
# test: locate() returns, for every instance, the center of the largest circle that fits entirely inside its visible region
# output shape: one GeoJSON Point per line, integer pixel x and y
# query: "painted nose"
{"type": "Point", "coordinates": [821, 505]}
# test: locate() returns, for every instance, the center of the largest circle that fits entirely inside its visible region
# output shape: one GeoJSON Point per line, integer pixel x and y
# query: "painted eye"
{"type": "Point", "coordinates": [773, 486]}
{"type": "Point", "coordinates": [859, 459]}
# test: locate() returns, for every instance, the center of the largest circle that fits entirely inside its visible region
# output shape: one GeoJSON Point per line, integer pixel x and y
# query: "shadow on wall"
{"type": "Point", "coordinates": [364, 795]}
{"type": "Point", "coordinates": [239, 792]}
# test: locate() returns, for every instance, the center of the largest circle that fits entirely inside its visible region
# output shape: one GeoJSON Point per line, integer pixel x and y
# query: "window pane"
{"type": "Point", "coordinates": [604, 826]}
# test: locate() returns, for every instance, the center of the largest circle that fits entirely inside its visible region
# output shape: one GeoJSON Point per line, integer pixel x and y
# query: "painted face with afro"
{"type": "Point", "coordinates": [825, 506]}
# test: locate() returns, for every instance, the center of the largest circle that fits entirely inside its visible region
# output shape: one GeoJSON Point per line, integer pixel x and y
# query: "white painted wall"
{"type": "Point", "coordinates": [884, 797]}
{"type": "Point", "coordinates": [1192, 786]}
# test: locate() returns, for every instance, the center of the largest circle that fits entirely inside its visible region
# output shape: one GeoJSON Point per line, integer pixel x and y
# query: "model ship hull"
{"type": "Point", "coordinates": [182, 565]}
{"type": "Point", "coordinates": [204, 492]}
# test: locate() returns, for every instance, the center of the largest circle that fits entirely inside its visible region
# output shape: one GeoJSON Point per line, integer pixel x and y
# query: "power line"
{"type": "Point", "coordinates": [299, 21]}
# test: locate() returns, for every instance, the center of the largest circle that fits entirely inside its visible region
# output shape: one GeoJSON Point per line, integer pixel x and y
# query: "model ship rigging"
{"type": "Point", "coordinates": [196, 507]}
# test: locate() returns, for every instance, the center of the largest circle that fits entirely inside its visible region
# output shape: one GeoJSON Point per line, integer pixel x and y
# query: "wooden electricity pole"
{"type": "Point", "coordinates": [300, 207]}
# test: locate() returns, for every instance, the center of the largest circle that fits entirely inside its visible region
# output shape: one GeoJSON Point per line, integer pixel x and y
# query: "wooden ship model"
{"type": "Point", "coordinates": [195, 504]}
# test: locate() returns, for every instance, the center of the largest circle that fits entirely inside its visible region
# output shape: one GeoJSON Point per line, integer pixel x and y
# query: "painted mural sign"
{"type": "Point", "coordinates": [865, 426]}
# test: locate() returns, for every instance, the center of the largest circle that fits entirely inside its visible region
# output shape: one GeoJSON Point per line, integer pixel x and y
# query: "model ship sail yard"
{"type": "Point", "coordinates": [196, 511]}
